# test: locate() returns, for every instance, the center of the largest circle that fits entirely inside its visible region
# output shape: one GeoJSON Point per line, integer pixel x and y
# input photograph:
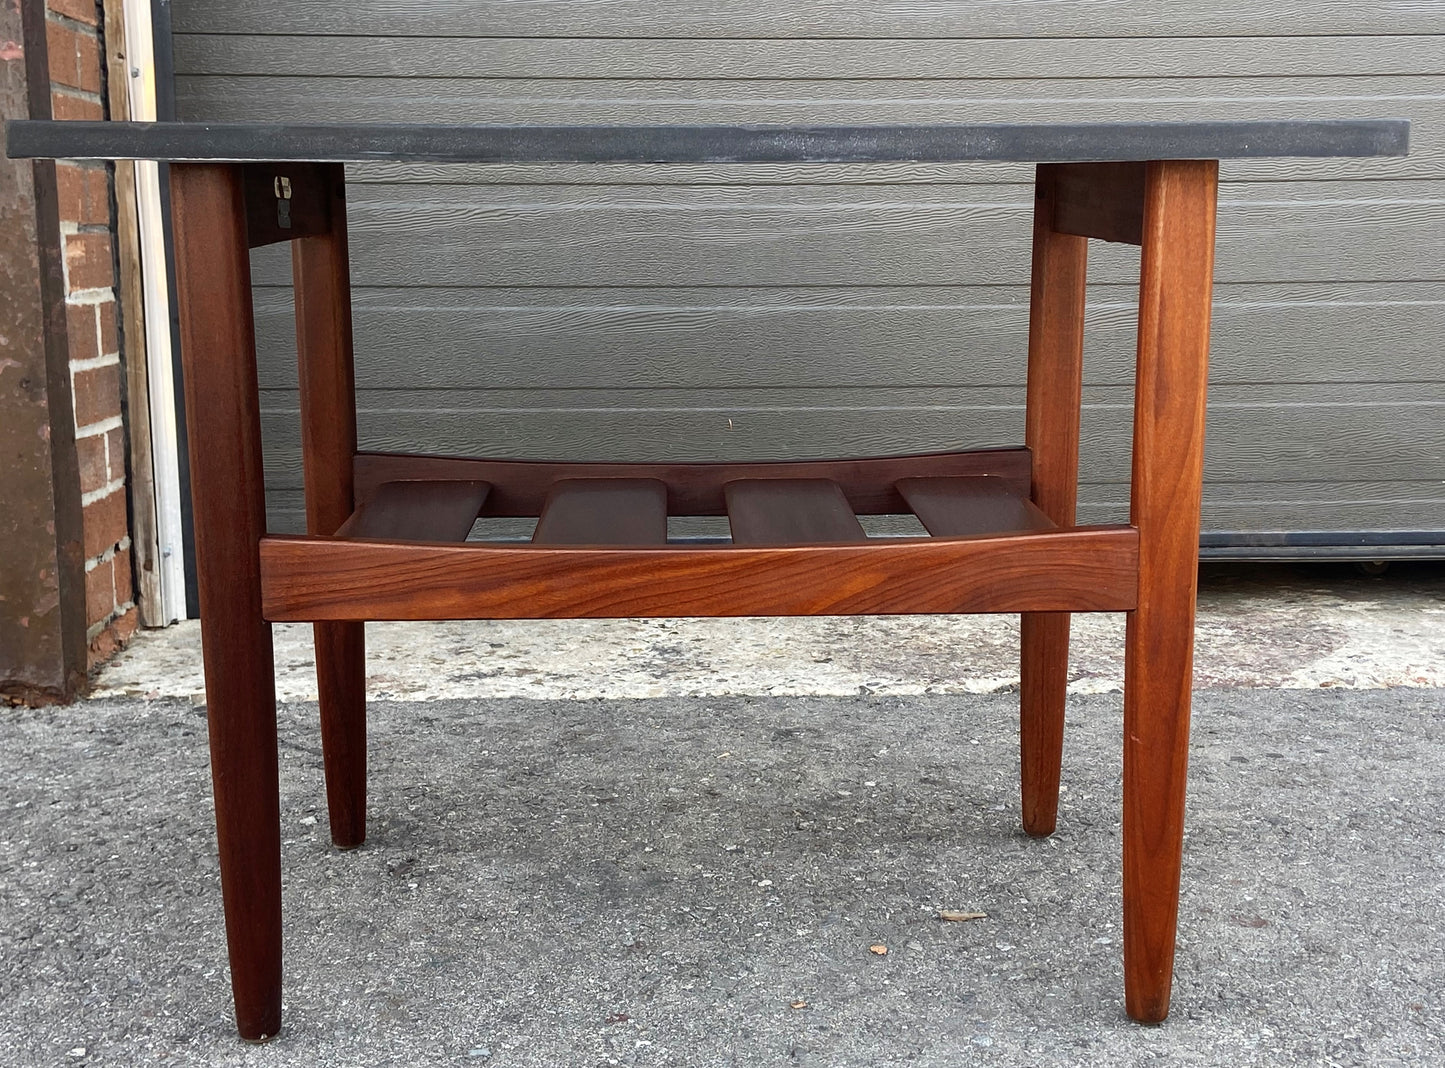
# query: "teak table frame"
{"type": "Point", "coordinates": [387, 532]}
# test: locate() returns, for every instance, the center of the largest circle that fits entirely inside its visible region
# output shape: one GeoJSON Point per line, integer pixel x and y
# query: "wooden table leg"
{"type": "Point", "coordinates": [322, 284]}
{"type": "Point", "coordinates": [1055, 377]}
{"type": "Point", "coordinates": [1174, 305]}
{"type": "Point", "coordinates": [218, 349]}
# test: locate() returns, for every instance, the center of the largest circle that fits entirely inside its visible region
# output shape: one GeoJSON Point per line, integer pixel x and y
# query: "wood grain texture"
{"type": "Point", "coordinates": [867, 337]}
{"type": "Point", "coordinates": [140, 474]}
{"type": "Point", "coordinates": [1242, 507]}
{"type": "Point", "coordinates": [1087, 569]}
{"type": "Point", "coordinates": [341, 698]}
{"type": "Point", "coordinates": [218, 354]}
{"type": "Point", "coordinates": [433, 511]}
{"type": "Point", "coordinates": [324, 55]}
{"type": "Point", "coordinates": [817, 236]}
{"type": "Point", "coordinates": [604, 511]}
{"type": "Point", "coordinates": [1353, 519]}
{"type": "Point", "coordinates": [823, 18]}
{"type": "Point", "coordinates": [1102, 200]}
{"type": "Point", "coordinates": [321, 282]}
{"type": "Point", "coordinates": [519, 487]}
{"type": "Point", "coordinates": [1417, 166]}
{"type": "Point", "coordinates": [790, 511]}
{"type": "Point", "coordinates": [1094, 198]}
{"type": "Point", "coordinates": [1175, 280]}
{"type": "Point", "coordinates": [1385, 432]}
{"type": "Point", "coordinates": [982, 504]}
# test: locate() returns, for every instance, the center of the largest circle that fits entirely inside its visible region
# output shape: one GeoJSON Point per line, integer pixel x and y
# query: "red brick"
{"type": "Point", "coordinates": [84, 193]}
{"type": "Point", "coordinates": [126, 624]}
{"type": "Point", "coordinates": [124, 584]}
{"type": "Point", "coordinates": [104, 523]}
{"type": "Point", "coordinates": [109, 335]}
{"type": "Point", "coordinates": [115, 449]}
{"type": "Point", "coordinates": [68, 106]}
{"type": "Point", "coordinates": [81, 333]}
{"type": "Point", "coordinates": [102, 647]}
{"type": "Point", "coordinates": [86, 11]}
{"type": "Point", "coordinates": [88, 263]}
{"type": "Point", "coordinates": [113, 638]}
{"type": "Point", "coordinates": [93, 470]}
{"type": "Point", "coordinates": [74, 57]}
{"type": "Point", "coordinates": [99, 594]}
{"type": "Point", "coordinates": [97, 394]}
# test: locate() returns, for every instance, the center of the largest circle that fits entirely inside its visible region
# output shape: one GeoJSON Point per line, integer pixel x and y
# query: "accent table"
{"type": "Point", "coordinates": [387, 533]}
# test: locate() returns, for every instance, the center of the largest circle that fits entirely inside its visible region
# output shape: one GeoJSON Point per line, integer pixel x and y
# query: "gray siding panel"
{"type": "Point", "coordinates": [811, 18]}
{"type": "Point", "coordinates": [794, 60]}
{"type": "Point", "coordinates": [761, 311]}
{"type": "Point", "coordinates": [1264, 433]}
{"type": "Point", "coordinates": [809, 235]}
{"type": "Point", "coordinates": [728, 338]}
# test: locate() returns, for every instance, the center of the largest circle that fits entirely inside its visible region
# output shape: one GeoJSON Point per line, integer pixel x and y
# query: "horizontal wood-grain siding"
{"type": "Point", "coordinates": [729, 337]}
{"type": "Point", "coordinates": [327, 56]}
{"type": "Point", "coordinates": [813, 18]}
{"type": "Point", "coordinates": [1376, 431]}
{"type": "Point", "coordinates": [697, 312]}
{"type": "Point", "coordinates": [809, 235]}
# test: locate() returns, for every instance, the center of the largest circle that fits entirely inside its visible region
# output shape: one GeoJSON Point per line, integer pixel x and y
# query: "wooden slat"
{"type": "Point", "coordinates": [975, 505]}
{"type": "Point", "coordinates": [604, 511]}
{"type": "Point", "coordinates": [519, 487]}
{"type": "Point", "coordinates": [417, 511]}
{"type": "Point", "coordinates": [790, 511]}
{"type": "Point", "coordinates": [1102, 200]}
{"type": "Point", "coordinates": [1087, 569]}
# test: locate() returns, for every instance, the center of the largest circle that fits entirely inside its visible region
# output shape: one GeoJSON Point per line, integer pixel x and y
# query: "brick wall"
{"type": "Point", "coordinates": [77, 70]}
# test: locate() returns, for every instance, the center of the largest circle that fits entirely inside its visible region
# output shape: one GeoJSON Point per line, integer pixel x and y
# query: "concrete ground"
{"type": "Point", "coordinates": [1298, 627]}
{"type": "Point", "coordinates": [698, 880]}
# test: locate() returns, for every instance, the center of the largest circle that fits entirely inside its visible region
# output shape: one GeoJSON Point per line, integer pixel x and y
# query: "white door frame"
{"type": "Point", "coordinates": [165, 446]}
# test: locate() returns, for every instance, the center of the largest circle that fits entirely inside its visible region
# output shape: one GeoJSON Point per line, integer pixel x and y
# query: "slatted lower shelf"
{"type": "Point", "coordinates": [600, 545]}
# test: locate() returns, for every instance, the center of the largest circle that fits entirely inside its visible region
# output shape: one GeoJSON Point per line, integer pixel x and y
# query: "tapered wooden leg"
{"type": "Point", "coordinates": [341, 689]}
{"type": "Point", "coordinates": [218, 351]}
{"type": "Point", "coordinates": [1055, 376]}
{"type": "Point", "coordinates": [1174, 305]}
{"type": "Point", "coordinates": [322, 284]}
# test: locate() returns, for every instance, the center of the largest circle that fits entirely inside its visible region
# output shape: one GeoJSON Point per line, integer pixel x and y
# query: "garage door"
{"type": "Point", "coordinates": [751, 312]}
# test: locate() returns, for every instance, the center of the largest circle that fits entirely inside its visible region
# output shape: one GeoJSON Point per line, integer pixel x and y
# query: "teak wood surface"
{"type": "Point", "coordinates": [1176, 281]}
{"type": "Point", "coordinates": [386, 531]}
{"type": "Point", "coordinates": [1051, 432]}
{"type": "Point", "coordinates": [1087, 569]}
{"type": "Point", "coordinates": [218, 350]}
{"type": "Point", "coordinates": [315, 216]}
